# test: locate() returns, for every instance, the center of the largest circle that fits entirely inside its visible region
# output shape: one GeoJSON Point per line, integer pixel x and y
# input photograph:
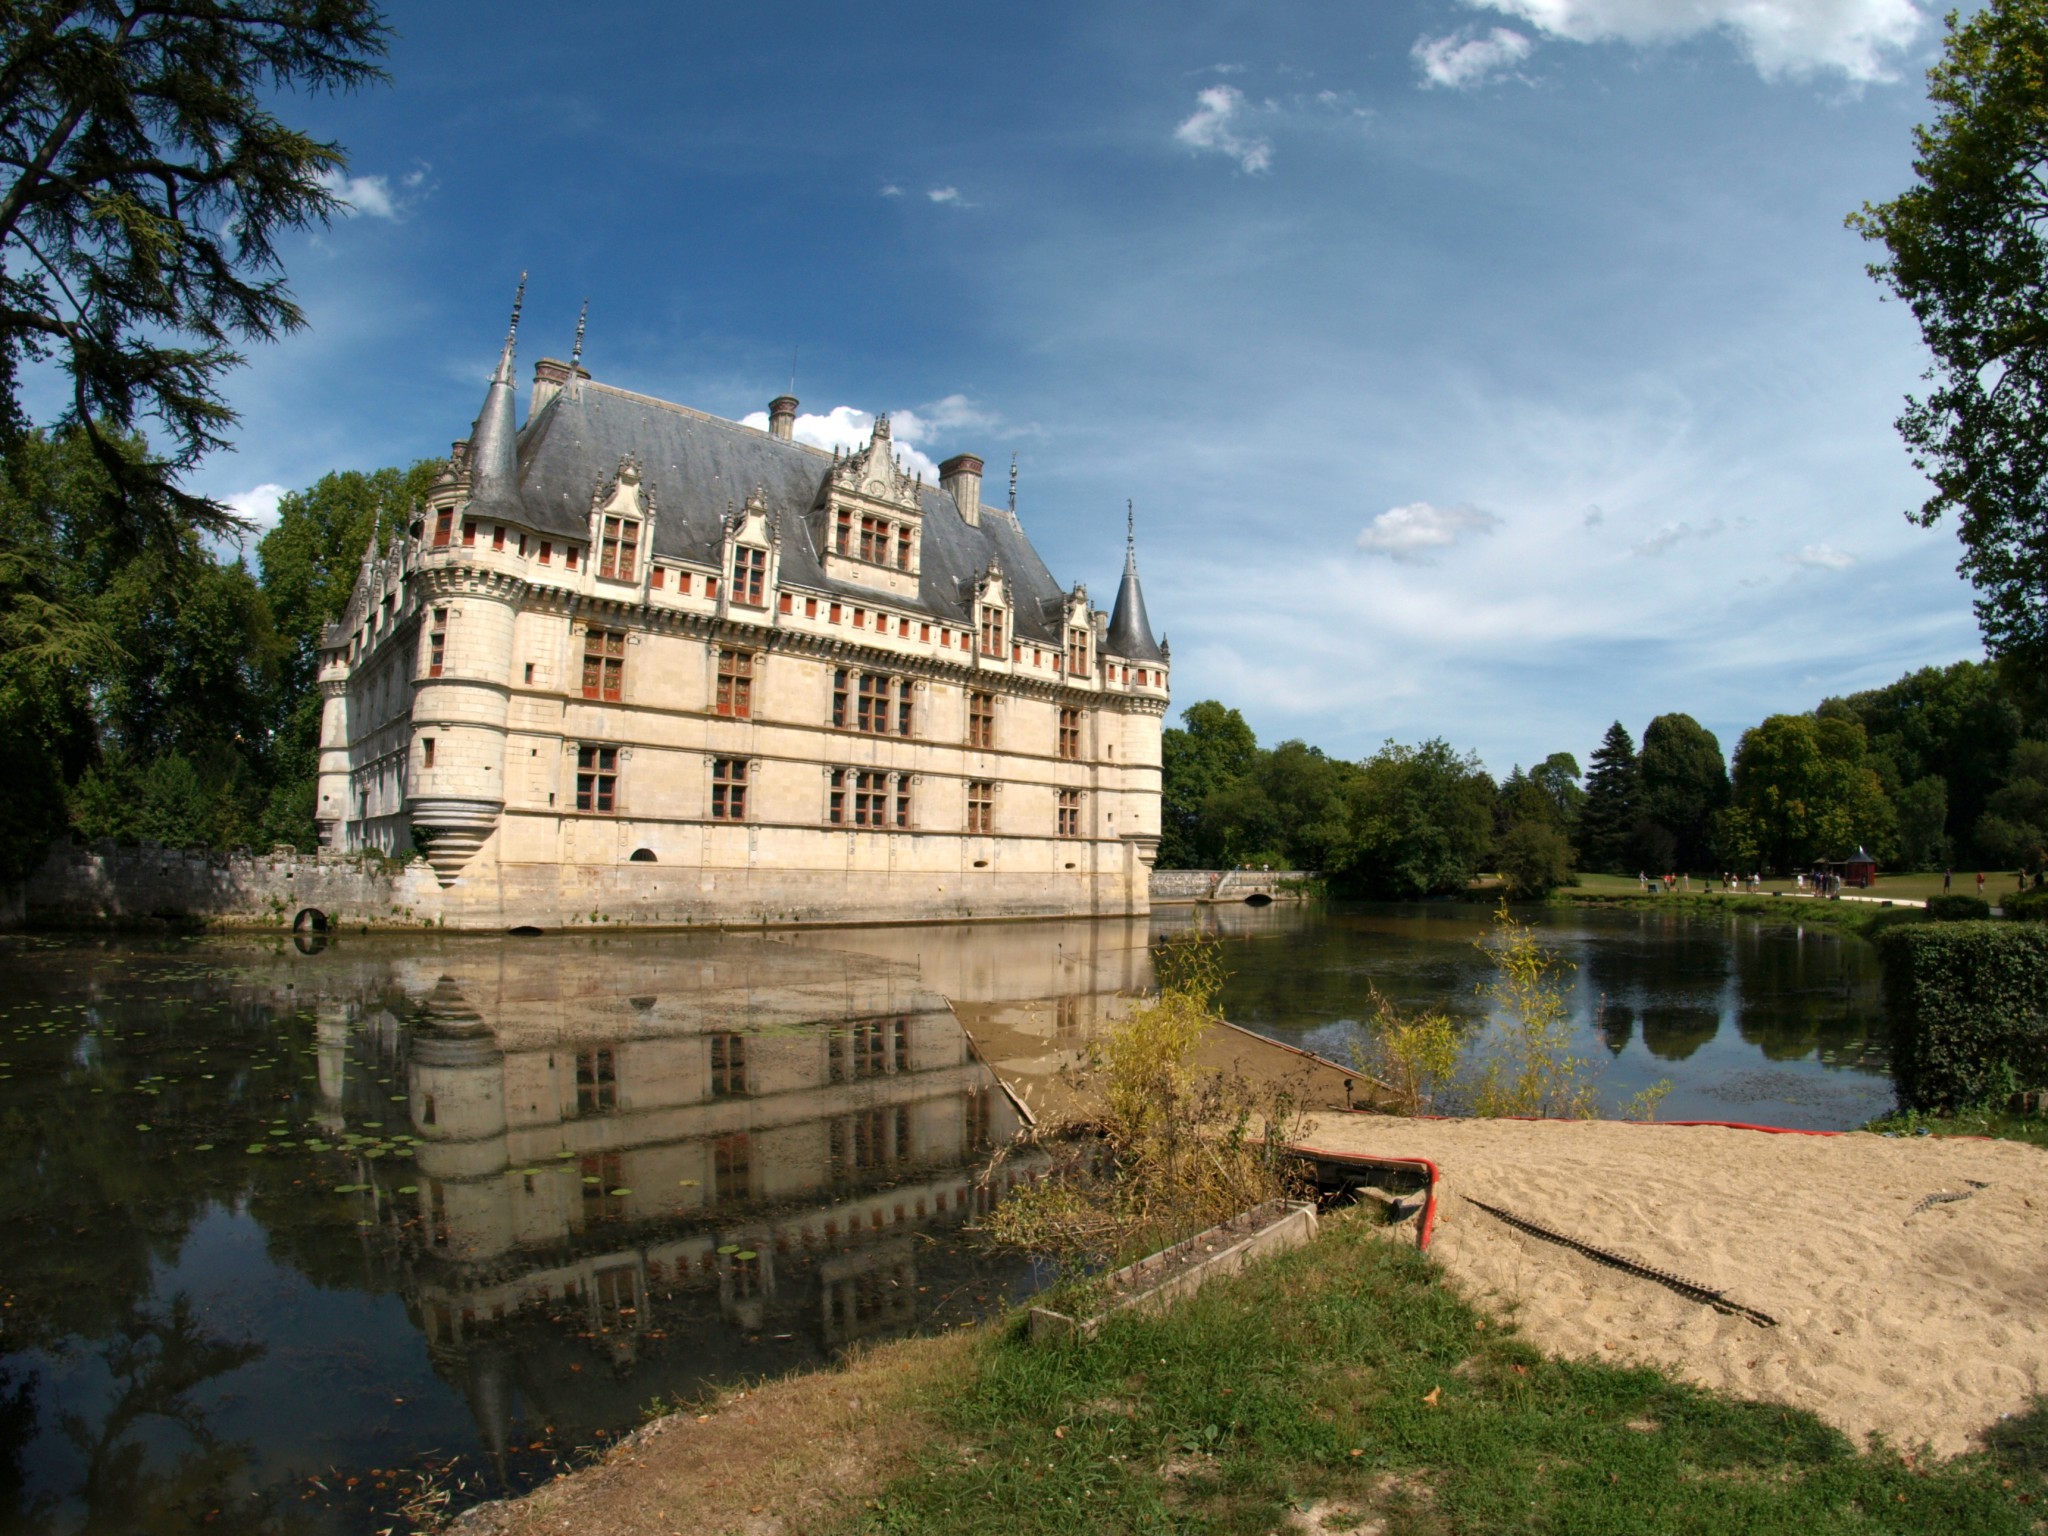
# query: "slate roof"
{"type": "Point", "coordinates": [698, 467]}
{"type": "Point", "coordinates": [1130, 629]}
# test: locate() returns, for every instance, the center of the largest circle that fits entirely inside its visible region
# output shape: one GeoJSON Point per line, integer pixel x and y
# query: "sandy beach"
{"type": "Point", "coordinates": [1921, 1322]}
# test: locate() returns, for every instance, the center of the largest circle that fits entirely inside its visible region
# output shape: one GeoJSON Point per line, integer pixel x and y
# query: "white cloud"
{"type": "Point", "coordinates": [1459, 59]}
{"type": "Point", "coordinates": [1213, 125]}
{"type": "Point", "coordinates": [946, 195]}
{"type": "Point", "coordinates": [1672, 534]}
{"type": "Point", "coordinates": [1418, 530]}
{"type": "Point", "coordinates": [890, 189]}
{"type": "Point", "coordinates": [369, 195]}
{"type": "Point", "coordinates": [258, 505]}
{"type": "Point", "coordinates": [1858, 38]}
{"type": "Point", "coordinates": [848, 428]}
{"type": "Point", "coordinates": [1823, 557]}
{"type": "Point", "coordinates": [952, 414]}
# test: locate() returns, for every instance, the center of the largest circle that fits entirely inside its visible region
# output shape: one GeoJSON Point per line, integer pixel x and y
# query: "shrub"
{"type": "Point", "coordinates": [2031, 905]}
{"type": "Point", "coordinates": [1958, 908]}
{"type": "Point", "coordinates": [1530, 1068]}
{"type": "Point", "coordinates": [1415, 1055]}
{"type": "Point", "coordinates": [1967, 1007]}
{"type": "Point", "coordinates": [1534, 860]}
{"type": "Point", "coordinates": [1166, 1149]}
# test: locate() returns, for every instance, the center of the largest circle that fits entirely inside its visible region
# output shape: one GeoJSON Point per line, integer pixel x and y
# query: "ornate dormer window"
{"type": "Point", "coordinates": [990, 599]}
{"type": "Point", "coordinates": [872, 520]}
{"type": "Point", "coordinates": [752, 542]}
{"type": "Point", "coordinates": [1080, 626]}
{"type": "Point", "coordinates": [621, 517]}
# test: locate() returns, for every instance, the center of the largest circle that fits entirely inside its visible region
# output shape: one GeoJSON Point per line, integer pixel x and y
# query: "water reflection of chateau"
{"type": "Point", "coordinates": [708, 1156]}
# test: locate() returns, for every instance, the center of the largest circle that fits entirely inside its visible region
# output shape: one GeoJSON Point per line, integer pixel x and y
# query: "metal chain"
{"type": "Point", "coordinates": [1690, 1289]}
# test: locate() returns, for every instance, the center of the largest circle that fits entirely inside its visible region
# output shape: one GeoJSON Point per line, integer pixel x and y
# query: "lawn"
{"type": "Point", "coordinates": [1347, 1380]}
{"type": "Point", "coordinates": [1907, 887]}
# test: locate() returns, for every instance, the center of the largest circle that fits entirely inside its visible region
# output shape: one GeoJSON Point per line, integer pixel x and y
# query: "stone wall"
{"type": "Point", "coordinates": [107, 884]}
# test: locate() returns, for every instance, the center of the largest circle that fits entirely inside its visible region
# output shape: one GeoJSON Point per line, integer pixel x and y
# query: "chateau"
{"type": "Point", "coordinates": [635, 663]}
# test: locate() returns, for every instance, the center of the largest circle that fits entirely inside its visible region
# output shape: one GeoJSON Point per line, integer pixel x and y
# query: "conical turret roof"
{"type": "Point", "coordinates": [1130, 630]}
{"type": "Point", "coordinates": [493, 443]}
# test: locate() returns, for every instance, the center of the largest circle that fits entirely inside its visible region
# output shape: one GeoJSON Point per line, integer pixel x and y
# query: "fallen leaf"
{"type": "Point", "coordinates": [1432, 1395]}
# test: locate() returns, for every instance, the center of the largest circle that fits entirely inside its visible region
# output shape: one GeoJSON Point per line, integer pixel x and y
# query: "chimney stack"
{"type": "Point", "coordinates": [960, 476]}
{"type": "Point", "coordinates": [782, 417]}
{"type": "Point", "coordinates": [549, 375]}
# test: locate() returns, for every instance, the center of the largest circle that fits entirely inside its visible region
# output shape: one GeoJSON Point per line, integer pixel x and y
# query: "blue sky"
{"type": "Point", "coordinates": [1484, 370]}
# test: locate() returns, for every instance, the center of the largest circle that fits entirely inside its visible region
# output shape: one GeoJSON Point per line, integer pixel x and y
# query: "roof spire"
{"type": "Point", "coordinates": [1130, 536]}
{"type": "Point", "coordinates": [512, 332]}
{"type": "Point", "coordinates": [1013, 483]}
{"type": "Point", "coordinates": [576, 353]}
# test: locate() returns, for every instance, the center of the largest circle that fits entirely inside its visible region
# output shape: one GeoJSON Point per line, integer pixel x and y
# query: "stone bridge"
{"type": "Point", "coordinates": [1186, 885]}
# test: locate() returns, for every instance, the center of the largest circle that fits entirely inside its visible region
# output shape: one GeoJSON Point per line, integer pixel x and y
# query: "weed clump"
{"type": "Point", "coordinates": [1165, 1149]}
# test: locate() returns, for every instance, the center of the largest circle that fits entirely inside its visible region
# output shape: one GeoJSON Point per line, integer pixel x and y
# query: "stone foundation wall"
{"type": "Point", "coordinates": [105, 884]}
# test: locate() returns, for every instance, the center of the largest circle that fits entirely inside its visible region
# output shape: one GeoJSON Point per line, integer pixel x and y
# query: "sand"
{"type": "Point", "coordinates": [1924, 1327]}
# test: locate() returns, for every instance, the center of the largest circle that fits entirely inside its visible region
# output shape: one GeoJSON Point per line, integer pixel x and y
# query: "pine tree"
{"type": "Point", "coordinates": [1607, 820]}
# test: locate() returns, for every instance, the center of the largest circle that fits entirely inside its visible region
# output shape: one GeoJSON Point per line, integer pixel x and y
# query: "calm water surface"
{"type": "Point", "coordinates": [279, 1231]}
{"type": "Point", "coordinates": [1773, 1023]}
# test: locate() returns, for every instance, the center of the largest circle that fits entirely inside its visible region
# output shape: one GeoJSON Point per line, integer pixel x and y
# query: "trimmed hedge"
{"type": "Point", "coordinates": [1958, 909]}
{"type": "Point", "coordinates": [1967, 1005]}
{"type": "Point", "coordinates": [2032, 905]}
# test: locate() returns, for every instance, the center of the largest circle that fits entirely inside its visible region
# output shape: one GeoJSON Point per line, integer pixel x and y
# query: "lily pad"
{"type": "Point", "coordinates": [408, 1189]}
{"type": "Point", "coordinates": [204, 1146]}
{"type": "Point", "coordinates": [622, 1191]}
{"type": "Point", "coordinates": [141, 1126]}
{"type": "Point", "coordinates": [745, 1254]}
{"type": "Point", "coordinates": [730, 1248]}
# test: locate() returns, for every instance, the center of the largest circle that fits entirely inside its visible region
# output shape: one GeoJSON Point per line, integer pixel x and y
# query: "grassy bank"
{"type": "Point", "coordinates": [1995, 1123]}
{"type": "Point", "coordinates": [1866, 918]}
{"type": "Point", "coordinates": [1348, 1376]}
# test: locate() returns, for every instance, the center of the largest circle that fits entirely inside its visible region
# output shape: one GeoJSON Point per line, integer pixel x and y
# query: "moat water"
{"type": "Point", "coordinates": [282, 1232]}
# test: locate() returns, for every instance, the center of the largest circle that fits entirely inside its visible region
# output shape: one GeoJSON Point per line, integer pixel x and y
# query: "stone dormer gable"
{"type": "Point", "coordinates": [751, 555]}
{"type": "Point", "coordinates": [870, 519]}
{"type": "Point", "coordinates": [622, 523]}
{"type": "Point", "coordinates": [993, 605]}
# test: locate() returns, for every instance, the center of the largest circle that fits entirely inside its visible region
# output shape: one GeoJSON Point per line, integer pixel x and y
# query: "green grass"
{"type": "Point", "coordinates": [1995, 1123]}
{"type": "Point", "coordinates": [1917, 886]}
{"type": "Point", "coordinates": [1348, 1371]}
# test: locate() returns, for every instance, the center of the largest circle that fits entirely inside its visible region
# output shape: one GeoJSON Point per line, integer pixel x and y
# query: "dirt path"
{"type": "Point", "coordinates": [787, 1457]}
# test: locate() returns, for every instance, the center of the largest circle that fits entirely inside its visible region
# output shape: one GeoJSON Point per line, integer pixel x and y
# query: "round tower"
{"type": "Point", "coordinates": [469, 596]}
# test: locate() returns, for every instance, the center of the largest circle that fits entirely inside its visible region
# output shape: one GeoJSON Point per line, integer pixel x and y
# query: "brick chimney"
{"type": "Point", "coordinates": [549, 375]}
{"type": "Point", "coordinates": [960, 476]}
{"type": "Point", "coordinates": [782, 416]}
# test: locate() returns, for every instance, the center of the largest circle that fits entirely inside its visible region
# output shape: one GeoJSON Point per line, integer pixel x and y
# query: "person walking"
{"type": "Point", "coordinates": [1980, 885]}
{"type": "Point", "coordinates": [1946, 875]}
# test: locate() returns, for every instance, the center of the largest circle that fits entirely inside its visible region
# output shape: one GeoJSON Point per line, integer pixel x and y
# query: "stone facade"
{"type": "Point", "coordinates": [634, 663]}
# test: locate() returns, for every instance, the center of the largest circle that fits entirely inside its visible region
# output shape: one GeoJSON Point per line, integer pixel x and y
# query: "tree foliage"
{"type": "Point", "coordinates": [1420, 822]}
{"type": "Point", "coordinates": [1607, 820]}
{"type": "Point", "coordinates": [149, 691]}
{"type": "Point", "coordinates": [149, 184]}
{"type": "Point", "coordinates": [1683, 785]}
{"type": "Point", "coordinates": [1967, 250]}
{"type": "Point", "coordinates": [1804, 791]}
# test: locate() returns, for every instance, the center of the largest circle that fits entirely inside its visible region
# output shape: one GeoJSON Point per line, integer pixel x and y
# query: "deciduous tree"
{"type": "Point", "coordinates": [1967, 249]}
